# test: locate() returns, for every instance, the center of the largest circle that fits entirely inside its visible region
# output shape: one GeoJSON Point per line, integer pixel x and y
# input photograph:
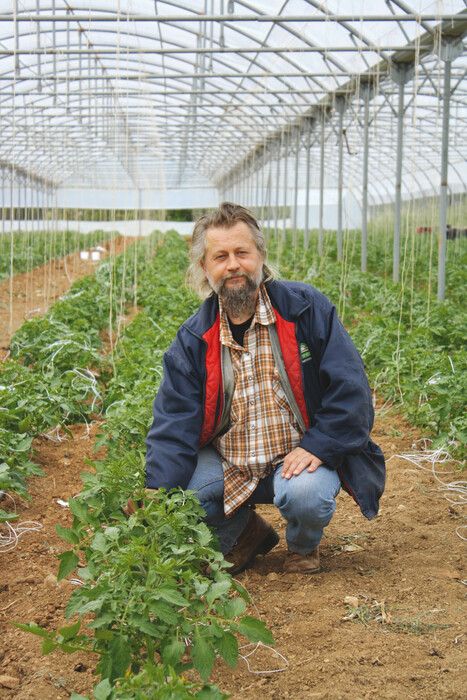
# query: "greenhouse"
{"type": "Point", "coordinates": [340, 126]}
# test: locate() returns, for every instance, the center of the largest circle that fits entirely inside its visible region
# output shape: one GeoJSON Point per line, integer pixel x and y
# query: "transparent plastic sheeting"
{"type": "Point", "coordinates": [148, 97]}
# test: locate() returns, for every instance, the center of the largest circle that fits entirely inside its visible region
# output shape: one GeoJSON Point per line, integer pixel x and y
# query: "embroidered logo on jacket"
{"type": "Point", "coordinates": [305, 353]}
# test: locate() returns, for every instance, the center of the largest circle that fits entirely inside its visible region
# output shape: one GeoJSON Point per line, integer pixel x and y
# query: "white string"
{"type": "Point", "coordinates": [456, 491]}
{"type": "Point", "coordinates": [10, 540]}
{"type": "Point", "coordinates": [259, 645]}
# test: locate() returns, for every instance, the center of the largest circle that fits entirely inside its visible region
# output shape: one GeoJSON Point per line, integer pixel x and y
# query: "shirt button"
{"type": "Point", "coordinates": [252, 454]}
{"type": "Point", "coordinates": [253, 426]}
{"type": "Point", "coordinates": [250, 379]}
{"type": "Point", "coordinates": [252, 402]}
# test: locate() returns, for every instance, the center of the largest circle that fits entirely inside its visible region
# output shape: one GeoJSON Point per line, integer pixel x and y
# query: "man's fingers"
{"type": "Point", "coordinates": [130, 506]}
{"type": "Point", "coordinates": [297, 461]}
{"type": "Point", "coordinates": [314, 465]}
{"type": "Point", "coordinates": [295, 467]}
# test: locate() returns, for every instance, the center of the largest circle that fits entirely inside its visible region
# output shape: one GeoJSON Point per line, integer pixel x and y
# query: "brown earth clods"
{"type": "Point", "coordinates": [406, 569]}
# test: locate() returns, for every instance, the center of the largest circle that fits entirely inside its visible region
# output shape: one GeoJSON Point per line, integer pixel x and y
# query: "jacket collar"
{"type": "Point", "coordinates": [285, 297]}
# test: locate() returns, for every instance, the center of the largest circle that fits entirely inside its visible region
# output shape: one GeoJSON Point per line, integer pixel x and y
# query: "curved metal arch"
{"type": "Point", "coordinates": [151, 38]}
{"type": "Point", "coordinates": [138, 62]}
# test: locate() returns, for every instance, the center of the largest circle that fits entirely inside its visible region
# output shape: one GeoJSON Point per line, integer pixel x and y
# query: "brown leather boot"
{"type": "Point", "coordinates": [302, 563]}
{"type": "Point", "coordinates": [257, 538]}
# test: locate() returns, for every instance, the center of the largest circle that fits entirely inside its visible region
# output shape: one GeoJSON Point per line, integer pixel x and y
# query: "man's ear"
{"type": "Point", "coordinates": [203, 266]}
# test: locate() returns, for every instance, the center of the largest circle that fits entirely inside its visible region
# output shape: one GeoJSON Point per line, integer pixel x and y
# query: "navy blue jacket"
{"type": "Point", "coordinates": [325, 372]}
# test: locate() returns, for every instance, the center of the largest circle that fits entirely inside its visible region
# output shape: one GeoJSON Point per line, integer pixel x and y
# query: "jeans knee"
{"type": "Point", "coordinates": [306, 505]}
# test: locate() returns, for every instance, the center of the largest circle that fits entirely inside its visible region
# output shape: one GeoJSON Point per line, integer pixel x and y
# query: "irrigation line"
{"type": "Point", "coordinates": [455, 491]}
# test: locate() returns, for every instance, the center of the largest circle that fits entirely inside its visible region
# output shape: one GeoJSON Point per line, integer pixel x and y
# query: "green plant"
{"type": "Point", "coordinates": [145, 583]}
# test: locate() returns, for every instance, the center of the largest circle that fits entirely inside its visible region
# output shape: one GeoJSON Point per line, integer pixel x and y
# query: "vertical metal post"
{"type": "Point", "coordinates": [269, 198]}
{"type": "Point", "coordinates": [25, 219]}
{"type": "Point", "coordinates": [3, 202]}
{"type": "Point", "coordinates": [321, 186]}
{"type": "Point", "coordinates": [307, 186]}
{"type": "Point", "coordinates": [278, 172]}
{"type": "Point", "coordinates": [38, 46]}
{"type": "Point", "coordinates": [80, 73]}
{"type": "Point", "coordinates": [140, 211]}
{"type": "Point", "coordinates": [246, 184]}
{"type": "Point", "coordinates": [258, 194]}
{"type": "Point", "coordinates": [68, 62]}
{"type": "Point", "coordinates": [340, 108]}
{"type": "Point", "coordinates": [16, 40]}
{"type": "Point", "coordinates": [295, 199]}
{"type": "Point", "coordinates": [263, 168]}
{"type": "Point", "coordinates": [443, 204]}
{"type": "Point", "coordinates": [284, 231]}
{"type": "Point", "coordinates": [54, 57]}
{"type": "Point", "coordinates": [366, 95]}
{"type": "Point", "coordinates": [398, 194]}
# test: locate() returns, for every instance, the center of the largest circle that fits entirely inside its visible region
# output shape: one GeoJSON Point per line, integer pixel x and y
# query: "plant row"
{"type": "Point", "coordinates": [57, 368]}
{"type": "Point", "coordinates": [21, 251]}
{"type": "Point", "coordinates": [418, 258]}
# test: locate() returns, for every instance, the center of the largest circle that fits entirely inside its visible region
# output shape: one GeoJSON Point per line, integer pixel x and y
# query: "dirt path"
{"type": "Point", "coordinates": [407, 566]}
{"type": "Point", "coordinates": [29, 294]}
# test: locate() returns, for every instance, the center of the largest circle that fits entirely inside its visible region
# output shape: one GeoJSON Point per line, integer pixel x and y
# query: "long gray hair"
{"type": "Point", "coordinates": [225, 216]}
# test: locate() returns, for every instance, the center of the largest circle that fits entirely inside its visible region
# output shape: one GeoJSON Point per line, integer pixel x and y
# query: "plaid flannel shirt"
{"type": "Point", "coordinates": [263, 429]}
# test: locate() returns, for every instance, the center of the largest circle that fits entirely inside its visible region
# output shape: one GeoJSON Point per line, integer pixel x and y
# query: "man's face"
{"type": "Point", "coordinates": [233, 267]}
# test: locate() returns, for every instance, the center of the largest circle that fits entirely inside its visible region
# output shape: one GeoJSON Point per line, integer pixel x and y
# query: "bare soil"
{"type": "Point", "coordinates": [407, 569]}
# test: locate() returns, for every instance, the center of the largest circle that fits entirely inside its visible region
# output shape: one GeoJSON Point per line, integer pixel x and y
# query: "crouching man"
{"type": "Point", "coordinates": [264, 399]}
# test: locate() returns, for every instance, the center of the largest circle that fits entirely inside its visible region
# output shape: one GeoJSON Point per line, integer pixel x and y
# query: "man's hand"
{"type": "Point", "coordinates": [130, 506]}
{"type": "Point", "coordinates": [297, 461]}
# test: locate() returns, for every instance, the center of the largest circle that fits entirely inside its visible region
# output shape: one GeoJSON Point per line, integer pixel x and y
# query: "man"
{"type": "Point", "coordinates": [264, 399]}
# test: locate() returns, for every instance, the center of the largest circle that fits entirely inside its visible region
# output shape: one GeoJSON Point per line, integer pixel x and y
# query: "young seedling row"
{"type": "Point", "coordinates": [21, 250]}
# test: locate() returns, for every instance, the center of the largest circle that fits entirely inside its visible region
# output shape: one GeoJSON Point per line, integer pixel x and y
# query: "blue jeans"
{"type": "Point", "coordinates": [307, 502]}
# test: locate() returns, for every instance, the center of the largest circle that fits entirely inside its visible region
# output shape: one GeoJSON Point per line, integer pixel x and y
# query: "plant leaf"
{"type": "Point", "coordinates": [234, 607]}
{"type": "Point", "coordinates": [172, 652]}
{"type": "Point", "coordinates": [70, 631]}
{"type": "Point", "coordinates": [217, 590]}
{"type": "Point", "coordinates": [120, 655]}
{"type": "Point", "coordinates": [7, 516]}
{"type": "Point", "coordinates": [48, 645]}
{"type": "Point", "coordinates": [31, 627]}
{"type": "Point", "coordinates": [227, 646]}
{"type": "Point", "coordinates": [79, 510]}
{"type": "Point", "coordinates": [203, 657]}
{"type": "Point", "coordinates": [66, 534]}
{"type": "Point", "coordinates": [171, 595]}
{"type": "Point", "coordinates": [102, 690]}
{"type": "Point", "coordinates": [255, 630]}
{"type": "Point", "coordinates": [68, 563]}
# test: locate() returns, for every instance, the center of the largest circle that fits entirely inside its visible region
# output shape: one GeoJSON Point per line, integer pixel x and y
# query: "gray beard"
{"type": "Point", "coordinates": [239, 301]}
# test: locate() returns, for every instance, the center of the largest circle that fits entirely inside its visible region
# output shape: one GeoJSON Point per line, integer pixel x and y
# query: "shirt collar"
{"type": "Point", "coordinates": [264, 315]}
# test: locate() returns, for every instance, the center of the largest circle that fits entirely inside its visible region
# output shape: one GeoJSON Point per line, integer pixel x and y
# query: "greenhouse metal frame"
{"type": "Point", "coordinates": [173, 104]}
